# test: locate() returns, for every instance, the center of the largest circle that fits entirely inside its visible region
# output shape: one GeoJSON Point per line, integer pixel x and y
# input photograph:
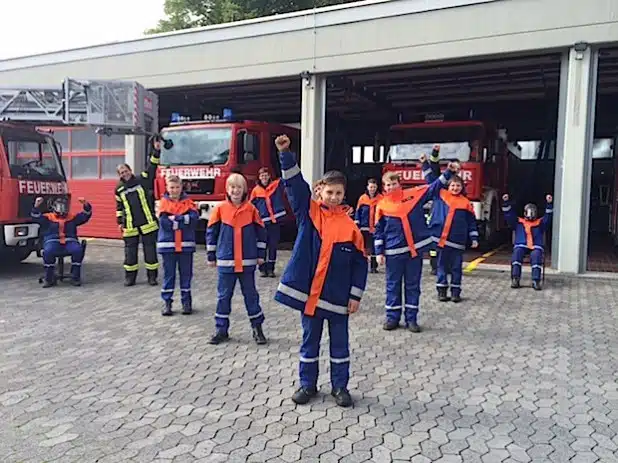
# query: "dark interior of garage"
{"type": "Point", "coordinates": [518, 94]}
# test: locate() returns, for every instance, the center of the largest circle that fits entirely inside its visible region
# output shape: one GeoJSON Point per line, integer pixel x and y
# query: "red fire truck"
{"type": "Point", "coordinates": [204, 153]}
{"type": "Point", "coordinates": [30, 159]}
{"type": "Point", "coordinates": [481, 149]}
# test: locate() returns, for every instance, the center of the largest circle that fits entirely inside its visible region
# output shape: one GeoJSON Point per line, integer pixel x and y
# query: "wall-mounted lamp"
{"type": "Point", "coordinates": [580, 48]}
{"type": "Point", "coordinates": [306, 76]}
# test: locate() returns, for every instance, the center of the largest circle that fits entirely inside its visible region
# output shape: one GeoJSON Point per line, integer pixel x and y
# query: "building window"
{"type": "Point", "coordinates": [84, 140]}
{"type": "Point", "coordinates": [85, 167]}
{"type": "Point", "coordinates": [114, 142]}
{"type": "Point", "coordinates": [109, 165]}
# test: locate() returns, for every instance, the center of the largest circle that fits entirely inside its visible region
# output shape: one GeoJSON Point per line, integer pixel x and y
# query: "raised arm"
{"type": "Point", "coordinates": [549, 212]}
{"type": "Point", "coordinates": [148, 176]}
{"type": "Point", "coordinates": [84, 216]}
{"type": "Point", "coordinates": [36, 215]}
{"type": "Point", "coordinates": [432, 190]}
{"type": "Point", "coordinates": [509, 212]}
{"type": "Point", "coordinates": [296, 188]}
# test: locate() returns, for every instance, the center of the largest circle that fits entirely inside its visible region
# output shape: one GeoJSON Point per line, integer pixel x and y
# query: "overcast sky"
{"type": "Point", "coordinates": [38, 26]}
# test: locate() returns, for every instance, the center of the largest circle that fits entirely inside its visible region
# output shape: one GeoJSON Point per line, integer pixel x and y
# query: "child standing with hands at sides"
{"type": "Point", "coordinates": [401, 238]}
{"type": "Point", "coordinates": [452, 223]}
{"type": "Point", "coordinates": [325, 277]}
{"type": "Point", "coordinates": [529, 238]}
{"type": "Point", "coordinates": [178, 219]}
{"type": "Point", "coordinates": [365, 218]}
{"type": "Point", "coordinates": [236, 243]}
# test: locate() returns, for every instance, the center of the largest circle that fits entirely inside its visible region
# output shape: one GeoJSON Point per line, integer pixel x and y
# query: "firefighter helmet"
{"type": "Point", "coordinates": [530, 212]}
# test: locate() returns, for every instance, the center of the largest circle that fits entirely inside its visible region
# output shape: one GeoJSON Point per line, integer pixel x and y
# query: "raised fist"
{"type": "Point", "coordinates": [38, 202]}
{"type": "Point", "coordinates": [82, 200]}
{"type": "Point", "coordinates": [282, 142]}
{"type": "Point", "coordinates": [505, 197]}
{"type": "Point", "coordinates": [549, 198]}
{"type": "Point", "coordinates": [422, 157]}
{"type": "Point", "coordinates": [454, 167]}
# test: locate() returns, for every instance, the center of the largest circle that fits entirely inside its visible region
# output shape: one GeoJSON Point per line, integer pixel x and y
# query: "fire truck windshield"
{"type": "Point", "coordinates": [409, 143]}
{"type": "Point", "coordinates": [196, 146]}
{"type": "Point", "coordinates": [32, 156]}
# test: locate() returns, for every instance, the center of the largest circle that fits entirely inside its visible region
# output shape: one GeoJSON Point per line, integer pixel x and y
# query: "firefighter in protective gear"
{"type": "Point", "coordinates": [325, 277]}
{"type": "Point", "coordinates": [235, 244]}
{"type": "Point", "coordinates": [268, 197]}
{"type": "Point", "coordinates": [400, 240]}
{"type": "Point", "coordinates": [59, 231]}
{"type": "Point", "coordinates": [365, 219]}
{"type": "Point", "coordinates": [529, 239]}
{"type": "Point", "coordinates": [136, 217]}
{"type": "Point", "coordinates": [430, 173]}
{"type": "Point", "coordinates": [178, 219]}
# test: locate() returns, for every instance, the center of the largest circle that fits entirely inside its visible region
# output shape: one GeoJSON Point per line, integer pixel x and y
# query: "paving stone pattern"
{"type": "Point", "coordinates": [95, 374]}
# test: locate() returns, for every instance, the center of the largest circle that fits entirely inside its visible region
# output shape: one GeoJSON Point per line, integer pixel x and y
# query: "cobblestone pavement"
{"type": "Point", "coordinates": [96, 374]}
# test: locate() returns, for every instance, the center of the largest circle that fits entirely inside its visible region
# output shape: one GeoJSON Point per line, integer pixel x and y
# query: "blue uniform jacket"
{"type": "Point", "coordinates": [269, 201]}
{"type": "Point", "coordinates": [328, 266]}
{"type": "Point", "coordinates": [177, 235]}
{"type": "Point", "coordinates": [529, 234]}
{"type": "Point", "coordinates": [235, 237]}
{"type": "Point", "coordinates": [365, 215]}
{"type": "Point", "coordinates": [401, 227]}
{"type": "Point", "coordinates": [60, 229]}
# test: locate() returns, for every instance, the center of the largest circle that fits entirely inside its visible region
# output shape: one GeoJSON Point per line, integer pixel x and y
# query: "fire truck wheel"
{"type": "Point", "coordinates": [18, 254]}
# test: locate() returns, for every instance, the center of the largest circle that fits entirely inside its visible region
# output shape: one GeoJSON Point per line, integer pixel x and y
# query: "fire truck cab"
{"type": "Point", "coordinates": [481, 150]}
{"type": "Point", "coordinates": [204, 153]}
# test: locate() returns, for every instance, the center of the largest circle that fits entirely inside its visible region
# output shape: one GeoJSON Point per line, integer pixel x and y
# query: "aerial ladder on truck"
{"type": "Point", "coordinates": [30, 159]}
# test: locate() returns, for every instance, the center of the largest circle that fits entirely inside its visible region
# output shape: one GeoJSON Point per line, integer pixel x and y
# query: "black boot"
{"type": "Point", "coordinates": [49, 283]}
{"type": "Point", "coordinates": [263, 273]}
{"type": "Point", "coordinates": [187, 308]}
{"type": "Point", "coordinates": [167, 309]}
{"type": "Point", "coordinates": [455, 298]}
{"type": "Point", "coordinates": [390, 325]}
{"type": "Point", "coordinates": [514, 283]}
{"type": "Point", "coordinates": [258, 335]}
{"type": "Point", "coordinates": [342, 397]}
{"type": "Point", "coordinates": [219, 337]}
{"type": "Point", "coordinates": [152, 277]}
{"type": "Point", "coordinates": [442, 297]}
{"type": "Point", "coordinates": [76, 282]}
{"type": "Point", "coordinates": [413, 327]}
{"type": "Point", "coordinates": [536, 284]}
{"type": "Point", "coordinates": [303, 395]}
{"type": "Point", "coordinates": [374, 265]}
{"type": "Point", "coordinates": [129, 278]}
{"type": "Point", "coordinates": [433, 261]}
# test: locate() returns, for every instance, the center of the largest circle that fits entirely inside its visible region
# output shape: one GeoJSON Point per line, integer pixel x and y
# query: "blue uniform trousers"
{"type": "Point", "coordinates": [225, 291]}
{"type": "Point", "coordinates": [310, 350]}
{"type": "Point", "coordinates": [183, 261]}
{"type": "Point", "coordinates": [536, 261]}
{"type": "Point", "coordinates": [406, 269]}
{"type": "Point", "coordinates": [273, 234]}
{"type": "Point", "coordinates": [53, 249]}
{"type": "Point", "coordinates": [450, 262]}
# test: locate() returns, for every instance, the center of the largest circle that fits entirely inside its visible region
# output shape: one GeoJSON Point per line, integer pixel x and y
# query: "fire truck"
{"type": "Point", "coordinates": [31, 160]}
{"type": "Point", "coordinates": [482, 150]}
{"type": "Point", "coordinates": [204, 153]}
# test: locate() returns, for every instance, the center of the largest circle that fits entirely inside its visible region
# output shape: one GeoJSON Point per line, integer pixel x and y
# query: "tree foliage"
{"type": "Point", "coordinates": [186, 14]}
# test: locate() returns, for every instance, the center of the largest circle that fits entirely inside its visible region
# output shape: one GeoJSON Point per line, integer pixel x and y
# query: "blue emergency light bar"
{"type": "Point", "coordinates": [177, 118]}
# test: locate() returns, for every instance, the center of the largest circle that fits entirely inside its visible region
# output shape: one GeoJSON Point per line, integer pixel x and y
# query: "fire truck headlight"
{"type": "Point", "coordinates": [20, 231]}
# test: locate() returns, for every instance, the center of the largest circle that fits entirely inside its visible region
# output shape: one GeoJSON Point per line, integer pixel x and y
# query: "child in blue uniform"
{"type": "Point", "coordinates": [325, 277]}
{"type": "Point", "coordinates": [267, 197]}
{"type": "Point", "coordinates": [178, 219]}
{"type": "Point", "coordinates": [59, 231]}
{"type": "Point", "coordinates": [400, 240]}
{"type": "Point", "coordinates": [529, 238]}
{"type": "Point", "coordinates": [236, 243]}
{"type": "Point", "coordinates": [365, 218]}
{"type": "Point", "coordinates": [452, 223]}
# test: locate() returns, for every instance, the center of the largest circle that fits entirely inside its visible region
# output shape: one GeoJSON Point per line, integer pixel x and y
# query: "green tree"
{"type": "Point", "coordinates": [186, 14]}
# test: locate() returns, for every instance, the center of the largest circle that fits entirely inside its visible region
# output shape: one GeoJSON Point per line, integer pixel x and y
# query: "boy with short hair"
{"type": "Point", "coordinates": [452, 223]}
{"type": "Point", "coordinates": [267, 197]}
{"type": "Point", "coordinates": [178, 219]}
{"type": "Point", "coordinates": [365, 219]}
{"type": "Point", "coordinates": [59, 231]}
{"type": "Point", "coordinates": [401, 238]}
{"type": "Point", "coordinates": [325, 277]}
{"type": "Point", "coordinates": [236, 243]}
{"type": "Point", "coordinates": [529, 238]}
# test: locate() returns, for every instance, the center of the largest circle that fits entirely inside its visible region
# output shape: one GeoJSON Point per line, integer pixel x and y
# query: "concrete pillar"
{"type": "Point", "coordinates": [578, 91]}
{"type": "Point", "coordinates": [135, 152]}
{"type": "Point", "coordinates": [313, 127]}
